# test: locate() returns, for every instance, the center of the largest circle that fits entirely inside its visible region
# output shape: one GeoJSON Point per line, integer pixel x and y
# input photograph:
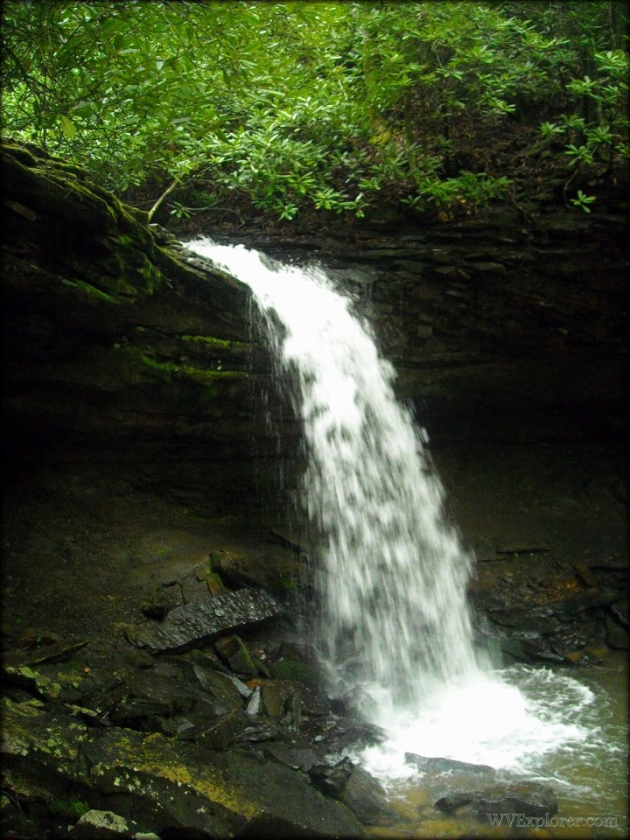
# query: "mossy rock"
{"type": "Point", "coordinates": [163, 784]}
{"type": "Point", "coordinates": [293, 663]}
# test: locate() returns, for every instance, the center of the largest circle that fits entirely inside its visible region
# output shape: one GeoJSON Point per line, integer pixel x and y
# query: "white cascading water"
{"type": "Point", "coordinates": [395, 620]}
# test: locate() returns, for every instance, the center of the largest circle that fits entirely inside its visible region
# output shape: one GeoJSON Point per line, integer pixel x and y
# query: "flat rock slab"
{"type": "Point", "coordinates": [191, 624]}
{"type": "Point", "coordinates": [445, 765]}
{"type": "Point", "coordinates": [516, 799]}
{"type": "Point", "coordinates": [529, 799]}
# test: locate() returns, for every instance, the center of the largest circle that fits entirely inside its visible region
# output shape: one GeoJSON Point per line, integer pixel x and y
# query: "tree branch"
{"type": "Point", "coordinates": [166, 193]}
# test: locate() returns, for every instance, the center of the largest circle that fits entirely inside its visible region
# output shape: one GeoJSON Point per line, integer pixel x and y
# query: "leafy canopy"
{"type": "Point", "coordinates": [440, 105]}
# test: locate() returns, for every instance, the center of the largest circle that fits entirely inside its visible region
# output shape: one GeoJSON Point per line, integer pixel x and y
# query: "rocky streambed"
{"type": "Point", "coordinates": [156, 663]}
{"type": "Point", "coordinates": [157, 674]}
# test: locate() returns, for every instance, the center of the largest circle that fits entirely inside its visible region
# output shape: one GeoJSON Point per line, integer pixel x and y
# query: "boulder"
{"type": "Point", "coordinates": [100, 825]}
{"type": "Point", "coordinates": [529, 799]}
{"type": "Point", "coordinates": [275, 568]}
{"type": "Point", "coordinates": [365, 796]}
{"type": "Point", "coordinates": [293, 662]}
{"type": "Point", "coordinates": [298, 758]}
{"type": "Point", "coordinates": [455, 799]}
{"type": "Point", "coordinates": [445, 765]}
{"type": "Point", "coordinates": [353, 786]}
{"type": "Point", "coordinates": [331, 779]}
{"type": "Point", "coordinates": [228, 691]}
{"type": "Point", "coordinates": [616, 634]}
{"type": "Point", "coordinates": [234, 653]}
{"type": "Point", "coordinates": [196, 623]}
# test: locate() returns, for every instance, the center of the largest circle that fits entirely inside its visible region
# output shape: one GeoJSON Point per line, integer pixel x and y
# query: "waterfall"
{"type": "Point", "coordinates": [393, 573]}
{"type": "Point", "coordinates": [394, 624]}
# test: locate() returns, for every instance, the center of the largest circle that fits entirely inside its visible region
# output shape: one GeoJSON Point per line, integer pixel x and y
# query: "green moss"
{"type": "Point", "coordinates": [211, 341]}
{"type": "Point", "coordinates": [155, 756]}
{"type": "Point", "coordinates": [207, 377]}
{"type": "Point", "coordinates": [70, 809]}
{"type": "Point", "coordinates": [170, 370]}
{"type": "Point", "coordinates": [213, 579]}
{"type": "Point", "coordinates": [65, 195]}
{"type": "Point", "coordinates": [152, 276]}
{"type": "Point", "coordinates": [68, 195]}
{"type": "Point", "coordinates": [89, 291]}
{"type": "Point", "coordinates": [33, 680]}
{"type": "Point", "coordinates": [125, 240]}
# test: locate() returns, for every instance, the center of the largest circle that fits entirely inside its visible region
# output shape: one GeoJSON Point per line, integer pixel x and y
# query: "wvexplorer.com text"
{"type": "Point", "coordinates": [523, 821]}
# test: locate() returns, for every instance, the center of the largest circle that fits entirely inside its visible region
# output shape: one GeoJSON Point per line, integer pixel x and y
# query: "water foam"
{"type": "Point", "coordinates": [509, 720]}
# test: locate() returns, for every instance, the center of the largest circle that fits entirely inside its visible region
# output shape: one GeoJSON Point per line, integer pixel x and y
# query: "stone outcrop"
{"type": "Point", "coordinates": [444, 765]}
{"type": "Point", "coordinates": [508, 326]}
{"type": "Point", "coordinates": [113, 343]}
{"type": "Point", "coordinates": [515, 801]}
{"type": "Point", "coordinates": [193, 624]}
{"type": "Point", "coordinates": [162, 785]}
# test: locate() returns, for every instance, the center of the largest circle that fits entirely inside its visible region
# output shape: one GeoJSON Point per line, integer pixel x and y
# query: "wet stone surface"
{"type": "Point", "coordinates": [193, 624]}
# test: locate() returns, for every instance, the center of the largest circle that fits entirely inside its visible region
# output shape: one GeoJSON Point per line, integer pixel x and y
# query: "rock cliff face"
{"type": "Point", "coordinates": [506, 327]}
{"type": "Point", "coordinates": [116, 349]}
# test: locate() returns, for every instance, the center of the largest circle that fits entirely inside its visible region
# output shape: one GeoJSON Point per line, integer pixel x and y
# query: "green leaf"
{"type": "Point", "coordinates": [68, 128]}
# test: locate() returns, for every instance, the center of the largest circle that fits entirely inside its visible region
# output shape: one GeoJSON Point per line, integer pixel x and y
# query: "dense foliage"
{"type": "Point", "coordinates": [440, 106]}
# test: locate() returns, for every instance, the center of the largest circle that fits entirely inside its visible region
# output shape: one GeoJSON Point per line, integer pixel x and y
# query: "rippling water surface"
{"type": "Point", "coordinates": [570, 732]}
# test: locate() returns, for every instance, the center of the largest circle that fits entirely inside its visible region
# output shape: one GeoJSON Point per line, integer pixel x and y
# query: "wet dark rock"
{"type": "Point", "coordinates": [227, 691]}
{"type": "Point", "coordinates": [194, 624]}
{"type": "Point", "coordinates": [258, 732]}
{"type": "Point", "coordinates": [47, 652]}
{"type": "Point", "coordinates": [524, 799]}
{"type": "Point", "coordinates": [273, 568]}
{"type": "Point", "coordinates": [331, 779]}
{"type": "Point", "coordinates": [312, 698]}
{"type": "Point", "coordinates": [293, 662]}
{"type": "Point", "coordinates": [445, 765]}
{"type": "Point", "coordinates": [233, 651]}
{"type": "Point", "coordinates": [365, 796]}
{"type": "Point", "coordinates": [298, 758]}
{"type": "Point", "coordinates": [162, 600]}
{"type": "Point", "coordinates": [455, 799]}
{"type": "Point", "coordinates": [223, 732]}
{"type": "Point", "coordinates": [148, 696]}
{"type": "Point", "coordinates": [528, 798]}
{"type": "Point", "coordinates": [565, 614]}
{"type": "Point", "coordinates": [616, 634]}
{"type": "Point", "coordinates": [101, 825]}
{"type": "Point", "coordinates": [345, 733]}
{"type": "Point", "coordinates": [353, 786]}
{"type": "Point", "coordinates": [67, 686]}
{"type": "Point", "coordinates": [163, 784]}
{"type": "Point", "coordinates": [619, 612]}
{"type": "Point", "coordinates": [586, 601]}
{"type": "Point", "coordinates": [276, 697]}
